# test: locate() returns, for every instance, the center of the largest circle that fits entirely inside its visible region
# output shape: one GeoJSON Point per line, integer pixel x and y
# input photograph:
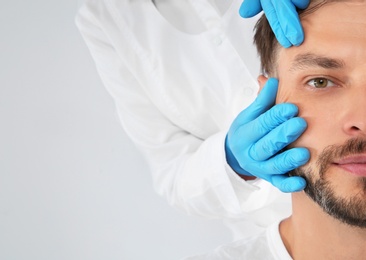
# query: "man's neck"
{"type": "Point", "coordinates": [310, 233]}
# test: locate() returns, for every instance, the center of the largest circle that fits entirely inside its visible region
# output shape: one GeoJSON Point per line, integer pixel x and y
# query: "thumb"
{"type": "Point", "coordinates": [264, 101]}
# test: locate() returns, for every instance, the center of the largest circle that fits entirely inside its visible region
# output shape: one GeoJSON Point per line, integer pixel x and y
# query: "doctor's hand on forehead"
{"type": "Point", "coordinates": [282, 16]}
{"type": "Point", "coordinates": [257, 137]}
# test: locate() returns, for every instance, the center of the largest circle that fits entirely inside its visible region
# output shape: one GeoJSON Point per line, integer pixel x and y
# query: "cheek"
{"type": "Point", "coordinates": [316, 137]}
{"type": "Point", "coordinates": [321, 121]}
{"type": "Point", "coordinates": [319, 114]}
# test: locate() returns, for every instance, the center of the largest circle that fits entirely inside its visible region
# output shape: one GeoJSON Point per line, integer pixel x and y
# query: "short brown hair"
{"type": "Point", "coordinates": [267, 46]}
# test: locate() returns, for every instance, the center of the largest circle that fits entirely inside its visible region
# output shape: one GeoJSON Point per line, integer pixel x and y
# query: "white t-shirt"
{"type": "Point", "coordinates": [267, 245]}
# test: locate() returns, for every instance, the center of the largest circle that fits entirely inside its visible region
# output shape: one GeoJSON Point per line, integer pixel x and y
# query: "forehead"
{"type": "Point", "coordinates": [335, 15]}
{"type": "Point", "coordinates": [336, 30]}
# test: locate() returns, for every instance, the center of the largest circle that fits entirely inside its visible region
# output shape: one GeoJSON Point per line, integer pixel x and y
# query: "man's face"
{"type": "Point", "coordinates": [326, 78]}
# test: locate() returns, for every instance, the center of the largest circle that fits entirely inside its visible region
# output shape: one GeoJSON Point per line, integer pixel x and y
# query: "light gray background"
{"type": "Point", "coordinates": [72, 186]}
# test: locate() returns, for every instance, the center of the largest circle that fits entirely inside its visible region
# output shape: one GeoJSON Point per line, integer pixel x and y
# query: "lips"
{"type": "Point", "coordinates": [355, 164]}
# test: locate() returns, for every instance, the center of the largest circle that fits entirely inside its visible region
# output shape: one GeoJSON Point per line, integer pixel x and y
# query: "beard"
{"type": "Point", "coordinates": [350, 210]}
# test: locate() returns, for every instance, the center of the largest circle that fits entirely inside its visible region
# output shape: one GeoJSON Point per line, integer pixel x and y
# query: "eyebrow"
{"type": "Point", "coordinates": [309, 60]}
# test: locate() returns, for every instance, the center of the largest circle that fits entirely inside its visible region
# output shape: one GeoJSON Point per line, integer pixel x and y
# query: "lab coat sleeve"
{"type": "Point", "coordinates": [190, 172]}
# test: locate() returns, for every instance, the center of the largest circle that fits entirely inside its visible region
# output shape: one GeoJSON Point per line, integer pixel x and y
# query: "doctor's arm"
{"type": "Point", "coordinates": [191, 173]}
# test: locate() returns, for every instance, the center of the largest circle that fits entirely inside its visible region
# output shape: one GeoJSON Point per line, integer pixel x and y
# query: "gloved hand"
{"type": "Point", "coordinates": [257, 136]}
{"type": "Point", "coordinates": [281, 15]}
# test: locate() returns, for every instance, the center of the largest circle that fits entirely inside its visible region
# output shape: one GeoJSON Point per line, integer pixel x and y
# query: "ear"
{"type": "Point", "coordinates": [262, 80]}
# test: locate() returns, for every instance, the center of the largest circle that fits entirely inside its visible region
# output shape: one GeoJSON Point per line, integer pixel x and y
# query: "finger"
{"type": "Point", "coordinates": [289, 21]}
{"type": "Point", "coordinates": [286, 161]}
{"type": "Point", "coordinates": [302, 4]}
{"type": "Point", "coordinates": [268, 121]}
{"type": "Point", "coordinates": [264, 101]}
{"type": "Point", "coordinates": [250, 8]}
{"type": "Point", "coordinates": [288, 184]}
{"type": "Point", "coordinates": [277, 139]}
{"type": "Point", "coordinates": [272, 17]}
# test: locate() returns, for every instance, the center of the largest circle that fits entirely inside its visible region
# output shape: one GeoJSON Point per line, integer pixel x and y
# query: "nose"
{"type": "Point", "coordinates": [355, 114]}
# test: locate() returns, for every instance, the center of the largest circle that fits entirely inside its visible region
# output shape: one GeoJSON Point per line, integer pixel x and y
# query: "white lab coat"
{"type": "Point", "coordinates": [176, 93]}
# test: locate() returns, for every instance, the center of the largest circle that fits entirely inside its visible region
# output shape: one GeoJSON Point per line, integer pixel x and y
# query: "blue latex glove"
{"type": "Point", "coordinates": [257, 136]}
{"type": "Point", "coordinates": [281, 15]}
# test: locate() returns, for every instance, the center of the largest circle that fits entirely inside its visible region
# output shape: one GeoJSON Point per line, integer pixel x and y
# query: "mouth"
{"type": "Point", "coordinates": [355, 164]}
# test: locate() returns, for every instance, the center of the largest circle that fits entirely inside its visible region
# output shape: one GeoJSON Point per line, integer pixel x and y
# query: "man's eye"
{"type": "Point", "coordinates": [320, 83]}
